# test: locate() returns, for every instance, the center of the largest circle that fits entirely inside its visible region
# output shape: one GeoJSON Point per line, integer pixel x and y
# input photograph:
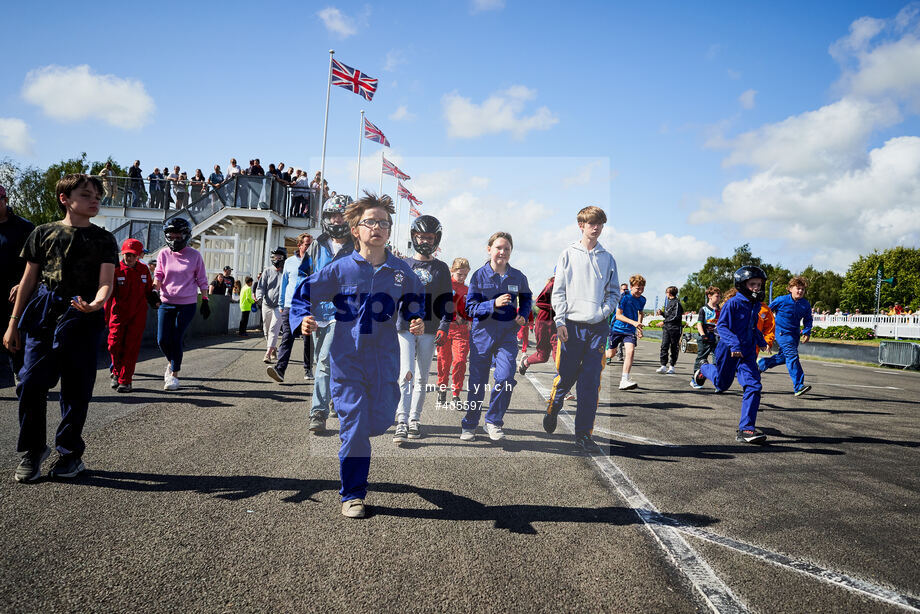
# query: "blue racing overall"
{"type": "Point", "coordinates": [493, 339]}
{"type": "Point", "coordinates": [364, 357]}
{"type": "Point", "coordinates": [737, 329]}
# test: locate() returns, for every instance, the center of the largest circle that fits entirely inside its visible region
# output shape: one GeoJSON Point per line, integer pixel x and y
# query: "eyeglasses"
{"type": "Point", "coordinates": [384, 224]}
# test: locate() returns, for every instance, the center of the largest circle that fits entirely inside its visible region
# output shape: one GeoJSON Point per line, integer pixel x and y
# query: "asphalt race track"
{"type": "Point", "coordinates": [216, 498]}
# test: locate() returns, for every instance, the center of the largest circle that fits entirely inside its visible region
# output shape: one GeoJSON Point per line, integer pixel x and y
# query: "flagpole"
{"type": "Point", "coordinates": [380, 189]}
{"type": "Point", "coordinates": [397, 224]}
{"type": "Point", "coordinates": [322, 163]}
{"type": "Point", "coordinates": [360, 142]}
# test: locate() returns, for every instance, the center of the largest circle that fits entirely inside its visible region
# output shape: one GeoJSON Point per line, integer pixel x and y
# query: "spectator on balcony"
{"type": "Point", "coordinates": [233, 169]}
{"type": "Point", "coordinates": [216, 177]}
{"type": "Point", "coordinates": [256, 169]}
{"type": "Point", "coordinates": [136, 184]}
{"type": "Point", "coordinates": [199, 185]}
{"type": "Point", "coordinates": [274, 172]}
{"type": "Point", "coordinates": [285, 175]}
{"type": "Point", "coordinates": [157, 199]}
{"type": "Point", "coordinates": [108, 184]}
{"type": "Point", "coordinates": [300, 197]}
{"type": "Point", "coordinates": [172, 183]}
{"type": "Point", "coordinates": [182, 191]}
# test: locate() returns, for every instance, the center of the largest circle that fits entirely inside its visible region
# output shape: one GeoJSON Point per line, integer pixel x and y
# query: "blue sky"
{"type": "Point", "coordinates": [788, 125]}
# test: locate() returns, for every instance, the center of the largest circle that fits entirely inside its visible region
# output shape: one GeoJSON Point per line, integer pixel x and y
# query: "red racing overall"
{"type": "Point", "coordinates": [126, 314]}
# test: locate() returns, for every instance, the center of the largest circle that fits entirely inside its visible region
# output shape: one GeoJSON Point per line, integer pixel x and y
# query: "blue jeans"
{"type": "Point", "coordinates": [172, 320]}
{"type": "Point", "coordinates": [322, 341]}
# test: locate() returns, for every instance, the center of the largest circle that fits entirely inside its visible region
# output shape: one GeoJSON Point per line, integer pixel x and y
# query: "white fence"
{"type": "Point", "coordinates": [899, 327]}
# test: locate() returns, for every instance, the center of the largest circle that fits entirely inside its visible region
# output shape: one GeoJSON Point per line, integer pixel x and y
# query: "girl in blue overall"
{"type": "Point", "coordinates": [498, 301]}
{"type": "Point", "coordinates": [367, 287]}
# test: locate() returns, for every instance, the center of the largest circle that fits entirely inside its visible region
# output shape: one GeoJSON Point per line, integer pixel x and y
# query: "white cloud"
{"type": "Point", "coordinates": [733, 74]}
{"type": "Point", "coordinates": [402, 114]}
{"type": "Point", "coordinates": [14, 136]}
{"type": "Point", "coordinates": [394, 58]}
{"type": "Point", "coordinates": [77, 93]}
{"type": "Point", "coordinates": [479, 6]}
{"type": "Point", "coordinates": [500, 112]}
{"type": "Point", "coordinates": [747, 99]}
{"type": "Point", "coordinates": [818, 184]}
{"type": "Point", "coordinates": [337, 22]}
{"type": "Point", "coordinates": [584, 175]}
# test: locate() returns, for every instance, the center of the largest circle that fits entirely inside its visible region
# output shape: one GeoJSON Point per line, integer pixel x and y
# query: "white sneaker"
{"type": "Point", "coordinates": [467, 435]}
{"type": "Point", "coordinates": [670, 370]}
{"type": "Point", "coordinates": [167, 373]}
{"type": "Point", "coordinates": [172, 383]}
{"type": "Point", "coordinates": [662, 369]}
{"type": "Point", "coordinates": [495, 432]}
{"type": "Point", "coordinates": [570, 396]}
{"type": "Point", "coordinates": [628, 384]}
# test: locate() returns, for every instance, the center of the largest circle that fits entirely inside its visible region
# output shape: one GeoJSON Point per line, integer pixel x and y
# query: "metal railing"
{"type": "Point", "coordinates": [204, 200]}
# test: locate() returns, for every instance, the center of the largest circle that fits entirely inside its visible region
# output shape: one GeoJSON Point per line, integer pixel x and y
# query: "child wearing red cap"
{"type": "Point", "coordinates": [126, 313]}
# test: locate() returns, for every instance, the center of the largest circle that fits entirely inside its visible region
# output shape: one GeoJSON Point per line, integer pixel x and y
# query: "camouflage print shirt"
{"type": "Point", "coordinates": [70, 257]}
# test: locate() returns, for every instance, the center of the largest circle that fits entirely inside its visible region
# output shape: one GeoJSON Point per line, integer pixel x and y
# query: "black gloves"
{"type": "Point", "coordinates": [205, 308]}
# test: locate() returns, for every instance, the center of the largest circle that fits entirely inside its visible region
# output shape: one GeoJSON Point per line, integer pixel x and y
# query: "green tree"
{"type": "Point", "coordinates": [902, 263]}
{"type": "Point", "coordinates": [823, 288]}
{"type": "Point", "coordinates": [719, 272]}
{"type": "Point", "coordinates": [32, 190]}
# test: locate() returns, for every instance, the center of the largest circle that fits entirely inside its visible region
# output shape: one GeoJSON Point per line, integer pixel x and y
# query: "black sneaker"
{"type": "Point", "coordinates": [456, 403]}
{"type": "Point", "coordinates": [698, 378]}
{"type": "Point", "coordinates": [442, 397]}
{"type": "Point", "coordinates": [802, 390]}
{"type": "Point", "coordinates": [125, 388]}
{"type": "Point", "coordinates": [114, 381]}
{"type": "Point", "coordinates": [549, 420]}
{"type": "Point", "coordinates": [30, 467]}
{"type": "Point", "coordinates": [750, 436]}
{"type": "Point", "coordinates": [585, 444]}
{"type": "Point", "coordinates": [522, 365]}
{"type": "Point", "coordinates": [308, 374]}
{"type": "Point", "coordinates": [67, 466]}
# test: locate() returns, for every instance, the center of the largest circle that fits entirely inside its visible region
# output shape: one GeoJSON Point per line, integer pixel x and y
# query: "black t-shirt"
{"type": "Point", "coordinates": [13, 234]}
{"type": "Point", "coordinates": [435, 277]}
{"type": "Point", "coordinates": [70, 257]}
{"type": "Point", "coordinates": [218, 287]}
{"type": "Point", "coordinates": [228, 283]}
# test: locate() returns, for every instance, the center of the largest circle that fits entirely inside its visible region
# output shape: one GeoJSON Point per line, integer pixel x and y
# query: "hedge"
{"type": "Point", "coordinates": [857, 333]}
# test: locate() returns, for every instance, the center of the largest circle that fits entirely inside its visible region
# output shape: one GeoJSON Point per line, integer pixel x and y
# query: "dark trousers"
{"type": "Point", "coordinates": [670, 342]}
{"type": "Point", "coordinates": [286, 345]}
{"type": "Point", "coordinates": [64, 350]}
{"type": "Point", "coordinates": [244, 321]}
{"type": "Point", "coordinates": [10, 364]}
{"type": "Point", "coordinates": [705, 348]}
{"type": "Point", "coordinates": [580, 363]}
{"type": "Point", "coordinates": [172, 320]}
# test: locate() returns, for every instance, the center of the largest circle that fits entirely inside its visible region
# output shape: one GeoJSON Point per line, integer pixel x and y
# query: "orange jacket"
{"type": "Point", "coordinates": [766, 324]}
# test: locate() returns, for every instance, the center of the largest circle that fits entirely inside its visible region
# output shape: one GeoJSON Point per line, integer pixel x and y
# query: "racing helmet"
{"type": "Point", "coordinates": [177, 226]}
{"type": "Point", "coordinates": [336, 204]}
{"type": "Point", "coordinates": [425, 224]}
{"type": "Point", "coordinates": [743, 275]}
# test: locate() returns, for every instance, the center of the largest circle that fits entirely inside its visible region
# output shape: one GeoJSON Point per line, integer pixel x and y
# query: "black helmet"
{"type": "Point", "coordinates": [278, 256]}
{"type": "Point", "coordinates": [746, 273]}
{"type": "Point", "coordinates": [336, 204]}
{"type": "Point", "coordinates": [177, 226]}
{"type": "Point", "coordinates": [426, 224]}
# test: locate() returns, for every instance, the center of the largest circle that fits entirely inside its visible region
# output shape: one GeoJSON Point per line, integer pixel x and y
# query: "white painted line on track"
{"type": "Point", "coordinates": [855, 386]}
{"type": "Point", "coordinates": [716, 593]}
{"type": "Point", "coordinates": [701, 575]}
{"type": "Point", "coordinates": [651, 442]}
{"type": "Point", "coordinates": [904, 600]}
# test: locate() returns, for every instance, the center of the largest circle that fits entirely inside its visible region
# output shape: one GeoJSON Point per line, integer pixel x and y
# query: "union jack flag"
{"type": "Point", "coordinates": [373, 133]}
{"type": "Point", "coordinates": [413, 211]}
{"type": "Point", "coordinates": [353, 79]}
{"type": "Point", "coordinates": [402, 192]}
{"type": "Point", "coordinates": [390, 169]}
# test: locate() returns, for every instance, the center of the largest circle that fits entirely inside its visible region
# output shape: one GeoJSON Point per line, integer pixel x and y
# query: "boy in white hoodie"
{"type": "Point", "coordinates": [586, 292]}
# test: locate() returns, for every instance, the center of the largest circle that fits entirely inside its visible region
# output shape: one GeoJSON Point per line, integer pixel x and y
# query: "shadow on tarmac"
{"type": "Point", "coordinates": [449, 506]}
{"type": "Point", "coordinates": [673, 454]}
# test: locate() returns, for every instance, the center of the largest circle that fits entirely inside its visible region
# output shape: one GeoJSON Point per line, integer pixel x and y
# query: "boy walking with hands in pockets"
{"type": "Point", "coordinates": [585, 293]}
